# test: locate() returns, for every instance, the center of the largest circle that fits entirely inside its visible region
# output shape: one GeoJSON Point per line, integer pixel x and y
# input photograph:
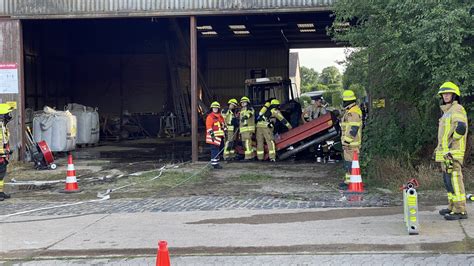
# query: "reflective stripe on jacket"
{"type": "Point", "coordinates": [351, 126]}
{"type": "Point", "coordinates": [4, 135]}
{"type": "Point", "coordinates": [276, 114]}
{"type": "Point", "coordinates": [214, 122]}
{"type": "Point", "coordinates": [449, 141]}
{"type": "Point", "coordinates": [247, 125]}
{"type": "Point", "coordinates": [228, 116]}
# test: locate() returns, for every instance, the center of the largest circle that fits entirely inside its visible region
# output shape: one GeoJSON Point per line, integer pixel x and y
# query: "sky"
{"type": "Point", "coordinates": [322, 57]}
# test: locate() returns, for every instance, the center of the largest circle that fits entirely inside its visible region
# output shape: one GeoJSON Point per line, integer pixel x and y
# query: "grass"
{"type": "Point", "coordinates": [169, 178]}
{"type": "Point", "coordinates": [254, 177]}
{"type": "Point", "coordinates": [391, 174]}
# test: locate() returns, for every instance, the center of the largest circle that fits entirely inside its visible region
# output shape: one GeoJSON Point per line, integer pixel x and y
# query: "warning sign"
{"type": "Point", "coordinates": [8, 78]}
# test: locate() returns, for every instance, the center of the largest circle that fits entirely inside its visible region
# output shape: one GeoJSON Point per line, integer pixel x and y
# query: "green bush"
{"type": "Point", "coordinates": [410, 49]}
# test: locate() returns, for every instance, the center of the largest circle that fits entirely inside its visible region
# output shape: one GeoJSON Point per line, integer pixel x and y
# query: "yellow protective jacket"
{"type": "Point", "coordinates": [273, 114]}
{"type": "Point", "coordinates": [4, 135]}
{"type": "Point", "coordinates": [264, 109]}
{"type": "Point", "coordinates": [452, 132]}
{"type": "Point", "coordinates": [230, 118]}
{"type": "Point", "coordinates": [247, 120]}
{"type": "Point", "coordinates": [351, 126]}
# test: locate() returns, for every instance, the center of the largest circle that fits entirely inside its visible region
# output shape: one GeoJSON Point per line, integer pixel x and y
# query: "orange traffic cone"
{"type": "Point", "coordinates": [71, 181]}
{"type": "Point", "coordinates": [356, 184]}
{"type": "Point", "coordinates": [162, 256]}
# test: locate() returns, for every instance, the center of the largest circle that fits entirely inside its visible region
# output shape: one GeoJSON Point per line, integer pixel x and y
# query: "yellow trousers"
{"type": "Point", "coordinates": [265, 135]}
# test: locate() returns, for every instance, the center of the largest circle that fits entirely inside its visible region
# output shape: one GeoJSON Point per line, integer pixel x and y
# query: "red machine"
{"type": "Point", "coordinates": [40, 153]}
{"type": "Point", "coordinates": [307, 135]}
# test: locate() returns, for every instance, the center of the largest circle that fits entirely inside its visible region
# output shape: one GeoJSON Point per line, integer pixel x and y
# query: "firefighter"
{"type": "Point", "coordinates": [265, 107]}
{"type": "Point", "coordinates": [314, 110]}
{"type": "Point", "coordinates": [452, 134]}
{"type": "Point", "coordinates": [265, 126]}
{"type": "Point", "coordinates": [247, 127]}
{"type": "Point", "coordinates": [5, 152]}
{"type": "Point", "coordinates": [215, 127]}
{"type": "Point", "coordinates": [351, 131]}
{"type": "Point", "coordinates": [232, 122]}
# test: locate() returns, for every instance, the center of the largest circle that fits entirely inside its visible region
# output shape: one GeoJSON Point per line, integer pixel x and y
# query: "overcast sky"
{"type": "Point", "coordinates": [321, 58]}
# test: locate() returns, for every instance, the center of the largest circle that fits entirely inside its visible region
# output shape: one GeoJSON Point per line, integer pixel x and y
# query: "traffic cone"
{"type": "Point", "coordinates": [356, 184]}
{"type": "Point", "coordinates": [71, 181]}
{"type": "Point", "coordinates": [162, 256]}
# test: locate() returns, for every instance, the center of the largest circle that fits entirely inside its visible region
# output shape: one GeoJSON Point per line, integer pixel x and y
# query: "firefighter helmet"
{"type": "Point", "coordinates": [215, 105]}
{"type": "Point", "coordinates": [245, 99]}
{"type": "Point", "coordinates": [449, 87]}
{"type": "Point", "coordinates": [348, 95]}
{"type": "Point", "coordinates": [275, 102]}
{"type": "Point", "coordinates": [233, 101]}
{"type": "Point", "coordinates": [5, 108]}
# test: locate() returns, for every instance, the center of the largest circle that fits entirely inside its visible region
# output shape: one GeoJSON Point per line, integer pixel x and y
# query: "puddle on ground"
{"type": "Point", "coordinates": [134, 152]}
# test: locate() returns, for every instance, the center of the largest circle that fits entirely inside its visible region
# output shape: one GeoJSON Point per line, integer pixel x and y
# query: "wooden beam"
{"type": "Point", "coordinates": [194, 87]}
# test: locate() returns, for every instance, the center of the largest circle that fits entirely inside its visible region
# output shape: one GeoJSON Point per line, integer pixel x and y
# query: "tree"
{"type": "Point", "coordinates": [410, 48]}
{"type": "Point", "coordinates": [356, 71]}
{"type": "Point", "coordinates": [309, 79]}
{"type": "Point", "coordinates": [320, 87]}
{"type": "Point", "coordinates": [359, 90]}
{"type": "Point", "coordinates": [330, 75]}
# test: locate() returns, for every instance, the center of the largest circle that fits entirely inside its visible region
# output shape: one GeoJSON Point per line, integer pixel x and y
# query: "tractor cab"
{"type": "Point", "coordinates": [261, 89]}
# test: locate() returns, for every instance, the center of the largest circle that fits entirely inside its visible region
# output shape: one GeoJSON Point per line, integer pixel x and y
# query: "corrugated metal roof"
{"type": "Point", "coordinates": [120, 8]}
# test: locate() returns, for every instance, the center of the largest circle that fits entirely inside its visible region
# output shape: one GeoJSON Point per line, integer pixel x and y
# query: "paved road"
{"type": "Point", "coordinates": [272, 260]}
{"type": "Point", "coordinates": [195, 203]}
{"type": "Point", "coordinates": [232, 232]}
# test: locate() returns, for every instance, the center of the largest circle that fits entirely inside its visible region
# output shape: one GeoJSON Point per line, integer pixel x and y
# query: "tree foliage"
{"type": "Point", "coordinates": [309, 79]}
{"type": "Point", "coordinates": [408, 49]}
{"type": "Point", "coordinates": [330, 76]}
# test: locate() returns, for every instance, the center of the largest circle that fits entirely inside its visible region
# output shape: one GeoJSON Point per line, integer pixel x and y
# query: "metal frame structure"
{"type": "Point", "coordinates": [271, 22]}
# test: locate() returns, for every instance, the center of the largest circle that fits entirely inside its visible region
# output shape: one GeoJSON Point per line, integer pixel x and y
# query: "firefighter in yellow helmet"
{"type": "Point", "coordinates": [265, 127]}
{"type": "Point", "coordinates": [247, 127]}
{"type": "Point", "coordinates": [452, 133]}
{"type": "Point", "coordinates": [265, 107]}
{"type": "Point", "coordinates": [351, 131]}
{"type": "Point", "coordinates": [215, 127]}
{"type": "Point", "coordinates": [5, 152]}
{"type": "Point", "coordinates": [232, 122]}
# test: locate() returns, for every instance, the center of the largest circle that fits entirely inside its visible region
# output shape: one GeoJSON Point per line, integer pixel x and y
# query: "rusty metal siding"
{"type": "Point", "coordinates": [11, 52]}
{"type": "Point", "coordinates": [98, 8]}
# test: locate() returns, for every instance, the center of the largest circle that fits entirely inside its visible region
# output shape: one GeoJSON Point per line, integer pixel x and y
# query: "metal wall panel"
{"type": "Point", "coordinates": [143, 79]}
{"type": "Point", "coordinates": [11, 52]}
{"type": "Point", "coordinates": [116, 8]}
{"type": "Point", "coordinates": [227, 70]}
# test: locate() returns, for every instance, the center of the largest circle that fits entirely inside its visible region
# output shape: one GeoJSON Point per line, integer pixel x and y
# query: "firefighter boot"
{"type": "Point", "coordinates": [443, 212]}
{"type": "Point", "coordinates": [455, 216]}
{"type": "Point", "coordinates": [4, 196]}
